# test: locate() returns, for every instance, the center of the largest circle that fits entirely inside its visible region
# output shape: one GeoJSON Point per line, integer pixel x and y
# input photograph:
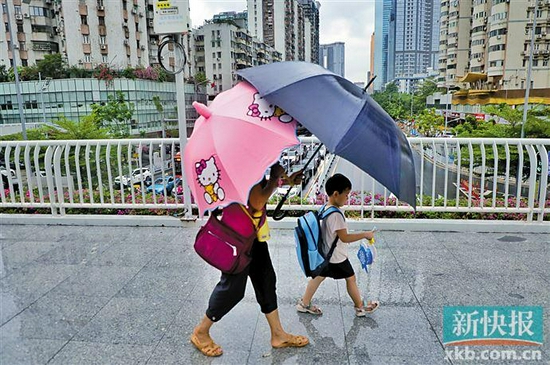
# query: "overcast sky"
{"type": "Point", "coordinates": [351, 22]}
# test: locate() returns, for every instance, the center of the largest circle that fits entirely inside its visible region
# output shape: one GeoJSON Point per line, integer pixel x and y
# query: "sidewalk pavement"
{"type": "Point", "coordinates": [123, 295]}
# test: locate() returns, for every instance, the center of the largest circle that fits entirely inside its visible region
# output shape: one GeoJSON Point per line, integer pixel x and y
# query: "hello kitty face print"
{"type": "Point", "coordinates": [261, 108]}
{"type": "Point", "coordinates": [208, 176]}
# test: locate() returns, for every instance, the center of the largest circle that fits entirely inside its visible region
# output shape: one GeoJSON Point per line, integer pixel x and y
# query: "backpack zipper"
{"type": "Point", "coordinates": [227, 243]}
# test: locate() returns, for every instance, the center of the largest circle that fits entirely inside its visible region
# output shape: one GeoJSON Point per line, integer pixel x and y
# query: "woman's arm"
{"type": "Point", "coordinates": [260, 195]}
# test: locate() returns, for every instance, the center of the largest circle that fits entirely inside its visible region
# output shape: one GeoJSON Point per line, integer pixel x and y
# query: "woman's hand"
{"type": "Point", "coordinates": [295, 178]}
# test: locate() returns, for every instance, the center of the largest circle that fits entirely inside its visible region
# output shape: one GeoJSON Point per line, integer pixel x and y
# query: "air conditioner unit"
{"type": "Point", "coordinates": [18, 16]}
{"type": "Point", "coordinates": [48, 1]}
{"type": "Point", "coordinates": [103, 46]}
{"type": "Point", "coordinates": [539, 36]}
{"type": "Point", "coordinates": [100, 8]}
{"type": "Point", "coordinates": [80, 62]}
{"type": "Point", "coordinates": [150, 23]}
{"type": "Point", "coordinates": [52, 35]}
{"type": "Point", "coordinates": [26, 16]}
{"type": "Point", "coordinates": [479, 59]}
{"type": "Point", "coordinates": [536, 52]}
{"type": "Point", "coordinates": [142, 48]}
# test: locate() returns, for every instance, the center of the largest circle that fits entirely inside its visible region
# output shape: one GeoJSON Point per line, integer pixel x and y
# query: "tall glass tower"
{"type": "Point", "coordinates": [382, 15]}
{"type": "Point", "coordinates": [332, 57]}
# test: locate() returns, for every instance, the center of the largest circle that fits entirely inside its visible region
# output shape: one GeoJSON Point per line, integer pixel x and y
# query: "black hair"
{"type": "Point", "coordinates": [337, 182]}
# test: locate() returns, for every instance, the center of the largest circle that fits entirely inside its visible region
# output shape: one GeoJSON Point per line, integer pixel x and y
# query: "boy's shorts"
{"type": "Point", "coordinates": [341, 270]}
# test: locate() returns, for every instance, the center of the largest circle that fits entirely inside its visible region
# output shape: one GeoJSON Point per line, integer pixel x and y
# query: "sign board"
{"type": "Point", "coordinates": [171, 16]}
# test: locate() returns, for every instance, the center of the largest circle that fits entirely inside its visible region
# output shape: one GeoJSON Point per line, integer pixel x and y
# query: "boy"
{"type": "Point", "coordinates": [338, 188]}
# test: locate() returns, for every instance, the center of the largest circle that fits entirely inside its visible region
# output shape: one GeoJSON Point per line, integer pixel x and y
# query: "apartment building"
{"type": "Point", "coordinates": [220, 48]}
{"type": "Point", "coordinates": [485, 48]}
{"type": "Point", "coordinates": [86, 33]}
{"type": "Point", "coordinates": [333, 57]}
{"type": "Point", "coordinates": [289, 26]}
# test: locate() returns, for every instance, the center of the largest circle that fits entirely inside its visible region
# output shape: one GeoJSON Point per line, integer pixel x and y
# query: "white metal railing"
{"type": "Point", "coordinates": [506, 177]}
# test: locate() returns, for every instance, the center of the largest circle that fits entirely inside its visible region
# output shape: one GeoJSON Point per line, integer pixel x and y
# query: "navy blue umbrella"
{"type": "Point", "coordinates": [347, 120]}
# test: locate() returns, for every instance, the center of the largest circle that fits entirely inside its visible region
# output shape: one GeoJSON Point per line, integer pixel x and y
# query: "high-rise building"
{"type": "Point", "coordinates": [333, 57]}
{"type": "Point", "coordinates": [220, 48]}
{"type": "Point", "coordinates": [284, 26]}
{"type": "Point", "coordinates": [311, 34]}
{"type": "Point", "coordinates": [383, 11]}
{"type": "Point", "coordinates": [85, 33]}
{"type": "Point", "coordinates": [485, 49]}
{"type": "Point", "coordinates": [413, 40]}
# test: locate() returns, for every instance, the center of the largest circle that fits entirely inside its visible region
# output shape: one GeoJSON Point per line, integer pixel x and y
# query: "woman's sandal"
{"type": "Point", "coordinates": [372, 305]}
{"type": "Point", "coordinates": [294, 341]}
{"type": "Point", "coordinates": [210, 348]}
{"type": "Point", "coordinates": [311, 309]}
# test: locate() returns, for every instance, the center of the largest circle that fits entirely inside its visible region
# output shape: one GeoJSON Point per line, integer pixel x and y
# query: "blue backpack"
{"type": "Point", "coordinates": [309, 241]}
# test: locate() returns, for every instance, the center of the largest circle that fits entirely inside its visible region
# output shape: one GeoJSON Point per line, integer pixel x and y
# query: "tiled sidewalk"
{"type": "Point", "coordinates": [120, 295]}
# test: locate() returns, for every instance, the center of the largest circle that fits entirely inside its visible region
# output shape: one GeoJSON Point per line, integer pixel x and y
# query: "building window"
{"type": "Point", "coordinates": [87, 58]}
{"type": "Point", "coordinates": [105, 58]}
{"type": "Point", "coordinates": [102, 39]}
{"type": "Point", "coordinates": [85, 39]}
{"type": "Point", "coordinates": [84, 19]}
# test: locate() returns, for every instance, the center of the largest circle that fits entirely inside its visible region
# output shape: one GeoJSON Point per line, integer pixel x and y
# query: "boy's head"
{"type": "Point", "coordinates": [338, 188]}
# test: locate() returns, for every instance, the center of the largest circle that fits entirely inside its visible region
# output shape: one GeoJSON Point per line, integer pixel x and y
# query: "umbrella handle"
{"type": "Point", "coordinates": [279, 214]}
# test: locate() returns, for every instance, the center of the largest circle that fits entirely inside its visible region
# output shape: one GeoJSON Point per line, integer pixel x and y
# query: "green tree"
{"type": "Point", "coordinates": [428, 122]}
{"type": "Point", "coordinates": [396, 104]}
{"type": "Point", "coordinates": [86, 128]}
{"type": "Point", "coordinates": [200, 78]}
{"type": "Point", "coordinates": [115, 115]}
{"type": "Point", "coordinates": [52, 66]}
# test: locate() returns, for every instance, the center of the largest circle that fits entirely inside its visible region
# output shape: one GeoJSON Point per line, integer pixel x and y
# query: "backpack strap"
{"type": "Point", "coordinates": [324, 213]}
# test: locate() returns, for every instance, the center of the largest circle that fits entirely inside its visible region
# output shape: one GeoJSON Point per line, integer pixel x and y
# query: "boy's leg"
{"type": "Point", "coordinates": [312, 286]}
{"type": "Point", "coordinates": [353, 291]}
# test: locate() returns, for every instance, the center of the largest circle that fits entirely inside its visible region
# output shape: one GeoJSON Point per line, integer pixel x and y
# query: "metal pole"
{"type": "Point", "coordinates": [446, 108]}
{"type": "Point", "coordinates": [42, 97]}
{"type": "Point", "coordinates": [182, 127]}
{"type": "Point", "coordinates": [16, 73]}
{"type": "Point", "coordinates": [528, 86]}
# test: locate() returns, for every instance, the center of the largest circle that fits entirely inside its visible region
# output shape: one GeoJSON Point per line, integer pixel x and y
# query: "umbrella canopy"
{"type": "Point", "coordinates": [234, 141]}
{"type": "Point", "coordinates": [347, 120]}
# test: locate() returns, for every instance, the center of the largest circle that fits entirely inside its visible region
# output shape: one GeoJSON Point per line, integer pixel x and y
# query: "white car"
{"type": "Point", "coordinates": [4, 173]}
{"type": "Point", "coordinates": [137, 176]}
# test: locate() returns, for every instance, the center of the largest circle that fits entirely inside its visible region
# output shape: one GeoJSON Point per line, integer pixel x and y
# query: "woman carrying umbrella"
{"type": "Point", "coordinates": [231, 288]}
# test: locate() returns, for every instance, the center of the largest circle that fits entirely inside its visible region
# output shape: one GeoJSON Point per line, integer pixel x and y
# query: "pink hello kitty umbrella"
{"type": "Point", "coordinates": [234, 141]}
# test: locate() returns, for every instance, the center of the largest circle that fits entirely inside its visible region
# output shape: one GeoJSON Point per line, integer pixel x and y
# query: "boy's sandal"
{"type": "Point", "coordinates": [293, 341]}
{"type": "Point", "coordinates": [368, 309]}
{"type": "Point", "coordinates": [372, 305]}
{"type": "Point", "coordinates": [210, 348]}
{"type": "Point", "coordinates": [311, 309]}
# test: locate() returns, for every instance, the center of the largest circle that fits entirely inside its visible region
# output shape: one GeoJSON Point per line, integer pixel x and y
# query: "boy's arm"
{"type": "Point", "coordinates": [347, 237]}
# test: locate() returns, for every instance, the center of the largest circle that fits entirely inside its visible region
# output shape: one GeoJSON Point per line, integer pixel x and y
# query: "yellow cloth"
{"type": "Point", "coordinates": [262, 233]}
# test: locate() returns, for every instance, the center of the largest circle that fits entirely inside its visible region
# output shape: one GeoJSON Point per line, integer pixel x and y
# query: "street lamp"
{"type": "Point", "coordinates": [43, 88]}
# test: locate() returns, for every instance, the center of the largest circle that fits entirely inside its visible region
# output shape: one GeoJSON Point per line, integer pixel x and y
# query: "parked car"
{"type": "Point", "coordinates": [160, 183]}
{"type": "Point", "coordinates": [137, 176]}
{"type": "Point", "coordinates": [4, 173]}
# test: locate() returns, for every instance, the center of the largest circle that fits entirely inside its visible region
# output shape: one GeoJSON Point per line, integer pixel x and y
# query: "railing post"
{"type": "Point", "coordinates": [182, 126]}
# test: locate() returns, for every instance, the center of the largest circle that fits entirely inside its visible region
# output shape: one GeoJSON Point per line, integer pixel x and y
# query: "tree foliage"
{"type": "Point", "coordinates": [115, 115]}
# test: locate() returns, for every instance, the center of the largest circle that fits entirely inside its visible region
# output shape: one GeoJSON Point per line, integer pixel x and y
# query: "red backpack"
{"type": "Point", "coordinates": [226, 243]}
